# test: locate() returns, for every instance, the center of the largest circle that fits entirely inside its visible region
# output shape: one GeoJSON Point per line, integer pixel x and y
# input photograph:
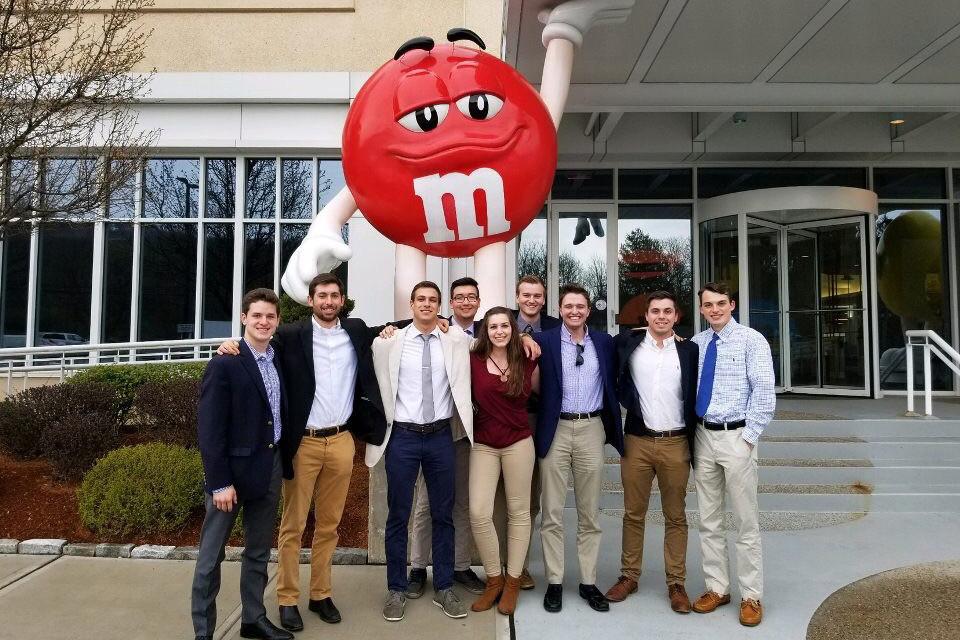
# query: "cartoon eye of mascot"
{"type": "Point", "coordinates": [449, 151]}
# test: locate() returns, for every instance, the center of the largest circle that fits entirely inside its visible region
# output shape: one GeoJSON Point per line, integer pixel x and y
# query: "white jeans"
{"type": "Point", "coordinates": [724, 463]}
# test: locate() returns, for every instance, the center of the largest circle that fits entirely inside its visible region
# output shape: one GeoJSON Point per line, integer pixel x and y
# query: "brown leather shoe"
{"type": "Point", "coordinates": [508, 599]}
{"type": "Point", "coordinates": [526, 581]}
{"type": "Point", "coordinates": [751, 612]}
{"type": "Point", "coordinates": [710, 601]}
{"type": "Point", "coordinates": [490, 595]}
{"type": "Point", "coordinates": [624, 587]}
{"type": "Point", "coordinates": [679, 600]}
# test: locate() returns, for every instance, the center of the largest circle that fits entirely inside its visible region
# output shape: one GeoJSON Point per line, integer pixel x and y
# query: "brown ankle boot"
{"type": "Point", "coordinates": [508, 601]}
{"type": "Point", "coordinates": [490, 594]}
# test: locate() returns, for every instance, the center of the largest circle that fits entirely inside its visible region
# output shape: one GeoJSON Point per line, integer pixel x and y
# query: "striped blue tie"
{"type": "Point", "coordinates": [705, 390]}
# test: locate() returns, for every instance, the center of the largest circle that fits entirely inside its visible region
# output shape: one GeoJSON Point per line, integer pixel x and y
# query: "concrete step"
{"type": "Point", "coordinates": [866, 429]}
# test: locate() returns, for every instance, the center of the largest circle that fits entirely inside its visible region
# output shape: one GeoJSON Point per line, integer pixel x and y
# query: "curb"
{"type": "Point", "coordinates": [60, 547]}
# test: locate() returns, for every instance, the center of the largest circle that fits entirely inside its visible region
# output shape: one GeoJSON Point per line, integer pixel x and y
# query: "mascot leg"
{"type": "Point", "coordinates": [411, 268]}
{"type": "Point", "coordinates": [489, 265]}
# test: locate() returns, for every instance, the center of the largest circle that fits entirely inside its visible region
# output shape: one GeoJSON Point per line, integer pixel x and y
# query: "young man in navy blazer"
{"type": "Point", "coordinates": [579, 413]}
{"type": "Point", "coordinates": [240, 419]}
{"type": "Point", "coordinates": [657, 384]}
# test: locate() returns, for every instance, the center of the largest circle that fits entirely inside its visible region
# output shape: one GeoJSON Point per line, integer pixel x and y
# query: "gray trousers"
{"type": "Point", "coordinates": [259, 519]}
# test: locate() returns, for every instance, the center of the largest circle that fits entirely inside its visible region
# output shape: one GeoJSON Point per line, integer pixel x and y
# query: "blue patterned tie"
{"type": "Point", "coordinates": [705, 390]}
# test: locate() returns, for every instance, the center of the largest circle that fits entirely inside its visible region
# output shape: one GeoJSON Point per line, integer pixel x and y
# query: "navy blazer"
{"type": "Point", "coordinates": [688, 353]}
{"type": "Point", "coordinates": [235, 425]}
{"type": "Point", "coordinates": [546, 322]}
{"type": "Point", "coordinates": [551, 388]}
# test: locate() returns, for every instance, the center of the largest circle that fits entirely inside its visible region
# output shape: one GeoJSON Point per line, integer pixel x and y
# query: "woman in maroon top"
{"type": "Point", "coordinates": [502, 378]}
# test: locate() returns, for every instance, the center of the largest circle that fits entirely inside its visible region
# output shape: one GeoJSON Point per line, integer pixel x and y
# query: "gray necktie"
{"type": "Point", "coordinates": [426, 379]}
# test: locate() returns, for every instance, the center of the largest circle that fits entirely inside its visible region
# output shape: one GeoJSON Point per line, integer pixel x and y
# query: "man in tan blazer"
{"type": "Point", "coordinates": [424, 378]}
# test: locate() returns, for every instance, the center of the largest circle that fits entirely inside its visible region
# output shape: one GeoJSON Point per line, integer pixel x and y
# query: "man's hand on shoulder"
{"type": "Point", "coordinates": [530, 346]}
{"type": "Point", "coordinates": [229, 348]}
{"type": "Point", "coordinates": [443, 324]}
{"type": "Point", "coordinates": [388, 332]}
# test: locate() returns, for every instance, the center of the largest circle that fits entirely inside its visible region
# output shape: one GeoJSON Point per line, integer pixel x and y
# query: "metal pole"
{"type": "Point", "coordinates": [927, 381]}
{"type": "Point", "coordinates": [909, 348]}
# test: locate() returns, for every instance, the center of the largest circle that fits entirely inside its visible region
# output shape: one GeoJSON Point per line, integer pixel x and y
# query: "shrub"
{"type": "Point", "coordinates": [127, 378]}
{"type": "Point", "coordinates": [171, 409]}
{"type": "Point", "coordinates": [70, 425]}
{"type": "Point", "coordinates": [150, 488]}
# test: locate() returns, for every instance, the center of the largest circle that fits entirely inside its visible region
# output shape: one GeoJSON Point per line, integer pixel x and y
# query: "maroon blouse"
{"type": "Point", "coordinates": [499, 420]}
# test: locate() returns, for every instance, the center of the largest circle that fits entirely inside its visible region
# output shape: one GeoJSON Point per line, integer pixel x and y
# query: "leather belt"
{"type": "Point", "coordinates": [580, 416]}
{"type": "Point", "coordinates": [723, 426]}
{"type": "Point", "coordinates": [423, 429]}
{"type": "Point", "coordinates": [653, 433]}
{"type": "Point", "coordinates": [326, 432]}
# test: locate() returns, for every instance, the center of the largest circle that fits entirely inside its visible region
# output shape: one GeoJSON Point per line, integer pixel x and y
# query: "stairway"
{"type": "Point", "coordinates": [819, 472]}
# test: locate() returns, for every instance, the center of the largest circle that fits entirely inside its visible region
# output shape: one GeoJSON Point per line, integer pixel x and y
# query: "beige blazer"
{"type": "Point", "coordinates": [456, 359]}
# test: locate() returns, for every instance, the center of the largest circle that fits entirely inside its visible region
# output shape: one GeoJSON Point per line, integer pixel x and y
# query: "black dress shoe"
{"type": "Point", "coordinates": [596, 600]}
{"type": "Point", "coordinates": [327, 611]}
{"type": "Point", "coordinates": [290, 618]}
{"type": "Point", "coordinates": [553, 599]}
{"type": "Point", "coordinates": [264, 630]}
{"type": "Point", "coordinates": [204, 638]}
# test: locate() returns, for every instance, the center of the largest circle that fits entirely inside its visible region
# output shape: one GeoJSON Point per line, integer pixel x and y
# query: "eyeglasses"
{"type": "Point", "coordinates": [466, 298]}
{"type": "Point", "coordinates": [580, 349]}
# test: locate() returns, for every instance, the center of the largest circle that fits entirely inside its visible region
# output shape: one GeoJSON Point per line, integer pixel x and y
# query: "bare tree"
{"type": "Point", "coordinates": [66, 84]}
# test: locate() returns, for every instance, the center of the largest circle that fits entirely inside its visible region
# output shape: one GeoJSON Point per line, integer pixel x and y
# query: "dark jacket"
{"type": "Point", "coordinates": [235, 425]}
{"type": "Point", "coordinates": [688, 353]}
{"type": "Point", "coordinates": [551, 388]}
{"type": "Point", "coordinates": [294, 344]}
{"type": "Point", "coordinates": [546, 322]}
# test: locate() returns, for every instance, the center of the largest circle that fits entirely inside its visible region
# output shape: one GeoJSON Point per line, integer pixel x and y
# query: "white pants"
{"type": "Point", "coordinates": [724, 462]}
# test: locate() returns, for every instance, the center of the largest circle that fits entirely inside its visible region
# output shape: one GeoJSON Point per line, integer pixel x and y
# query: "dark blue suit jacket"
{"type": "Point", "coordinates": [551, 388]}
{"type": "Point", "coordinates": [546, 322]}
{"type": "Point", "coordinates": [235, 425]}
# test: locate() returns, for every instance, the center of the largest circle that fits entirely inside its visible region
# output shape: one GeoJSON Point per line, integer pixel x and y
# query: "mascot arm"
{"type": "Point", "coordinates": [322, 250]}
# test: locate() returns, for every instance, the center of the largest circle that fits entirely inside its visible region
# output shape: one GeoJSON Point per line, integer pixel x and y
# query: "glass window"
{"type": "Point", "coordinates": [71, 187]}
{"type": "Point", "coordinates": [649, 184]}
{"type": "Point", "coordinates": [258, 246]}
{"type": "Point", "coordinates": [956, 184]}
{"type": "Point", "coordinates": [221, 197]}
{"type": "Point", "coordinates": [261, 191]}
{"type": "Point", "coordinates": [654, 253]}
{"type": "Point", "coordinates": [64, 283]}
{"type": "Point", "coordinates": [913, 288]}
{"type": "Point", "coordinates": [719, 255]}
{"type": "Point", "coordinates": [329, 181]}
{"type": "Point", "coordinates": [532, 250]}
{"type": "Point", "coordinates": [909, 183]}
{"type": "Point", "coordinates": [296, 188]}
{"type": "Point", "coordinates": [171, 188]}
{"type": "Point", "coordinates": [217, 280]}
{"type": "Point", "coordinates": [583, 259]}
{"type": "Point", "coordinates": [117, 283]}
{"type": "Point", "coordinates": [13, 287]}
{"type": "Point", "coordinates": [21, 189]}
{"type": "Point", "coordinates": [715, 181]}
{"type": "Point", "coordinates": [122, 203]}
{"type": "Point", "coordinates": [582, 184]}
{"type": "Point", "coordinates": [168, 277]}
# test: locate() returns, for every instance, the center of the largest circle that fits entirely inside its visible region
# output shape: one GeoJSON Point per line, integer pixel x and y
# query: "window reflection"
{"type": "Point", "coordinates": [64, 284]}
{"type": "Point", "coordinates": [329, 181]}
{"type": "Point", "coordinates": [258, 246]}
{"type": "Point", "coordinates": [70, 185]}
{"type": "Point", "coordinates": [13, 287]}
{"type": "Point", "coordinates": [296, 188]}
{"type": "Point", "coordinates": [117, 283]}
{"type": "Point", "coordinates": [21, 190]}
{"type": "Point", "coordinates": [583, 259]}
{"type": "Point", "coordinates": [221, 197]}
{"type": "Point", "coordinates": [217, 280]}
{"type": "Point", "coordinates": [122, 197]}
{"type": "Point", "coordinates": [532, 249]}
{"type": "Point", "coordinates": [261, 188]}
{"type": "Point", "coordinates": [171, 188]}
{"type": "Point", "coordinates": [168, 273]}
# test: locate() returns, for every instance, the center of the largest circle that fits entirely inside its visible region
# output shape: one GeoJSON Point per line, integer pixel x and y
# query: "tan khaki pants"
{"type": "Point", "coordinates": [500, 509]}
{"type": "Point", "coordinates": [725, 463]}
{"type": "Point", "coordinates": [667, 459]}
{"type": "Point", "coordinates": [487, 466]}
{"type": "Point", "coordinates": [421, 541]}
{"type": "Point", "coordinates": [577, 446]}
{"type": "Point", "coordinates": [322, 470]}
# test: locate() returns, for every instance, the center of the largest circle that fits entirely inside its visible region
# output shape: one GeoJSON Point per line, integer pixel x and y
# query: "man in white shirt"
{"type": "Point", "coordinates": [657, 380]}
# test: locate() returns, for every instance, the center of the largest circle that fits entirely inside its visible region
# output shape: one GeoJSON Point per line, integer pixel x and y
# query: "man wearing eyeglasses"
{"type": "Point", "coordinates": [579, 413]}
{"type": "Point", "coordinates": [465, 301]}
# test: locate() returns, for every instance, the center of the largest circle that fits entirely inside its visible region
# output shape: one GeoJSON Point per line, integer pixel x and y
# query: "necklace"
{"type": "Point", "coordinates": [502, 370]}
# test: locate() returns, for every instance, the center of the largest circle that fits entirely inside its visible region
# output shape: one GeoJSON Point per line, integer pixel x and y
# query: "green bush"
{"type": "Point", "coordinates": [170, 408]}
{"type": "Point", "coordinates": [150, 488]}
{"type": "Point", "coordinates": [127, 378]}
{"type": "Point", "coordinates": [69, 425]}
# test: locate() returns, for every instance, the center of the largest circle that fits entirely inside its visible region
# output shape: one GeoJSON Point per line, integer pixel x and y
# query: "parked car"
{"type": "Point", "coordinates": [56, 338]}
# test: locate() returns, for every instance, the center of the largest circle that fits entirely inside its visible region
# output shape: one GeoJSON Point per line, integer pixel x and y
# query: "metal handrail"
{"type": "Point", "coordinates": [68, 359]}
{"type": "Point", "coordinates": [932, 344]}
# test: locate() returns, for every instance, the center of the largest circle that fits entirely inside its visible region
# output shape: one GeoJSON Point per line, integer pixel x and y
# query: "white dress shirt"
{"type": "Point", "coordinates": [409, 406]}
{"type": "Point", "coordinates": [656, 374]}
{"type": "Point", "coordinates": [335, 374]}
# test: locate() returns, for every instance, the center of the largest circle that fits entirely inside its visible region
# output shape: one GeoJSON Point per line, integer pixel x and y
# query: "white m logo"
{"type": "Point", "coordinates": [432, 188]}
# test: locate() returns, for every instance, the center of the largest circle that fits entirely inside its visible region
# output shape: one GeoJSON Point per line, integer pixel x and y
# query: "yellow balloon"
{"type": "Point", "coordinates": [908, 266]}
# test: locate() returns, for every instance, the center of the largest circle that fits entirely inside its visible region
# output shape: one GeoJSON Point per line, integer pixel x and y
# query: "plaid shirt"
{"type": "Point", "coordinates": [582, 386]}
{"type": "Point", "coordinates": [743, 379]}
{"type": "Point", "coordinates": [271, 380]}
